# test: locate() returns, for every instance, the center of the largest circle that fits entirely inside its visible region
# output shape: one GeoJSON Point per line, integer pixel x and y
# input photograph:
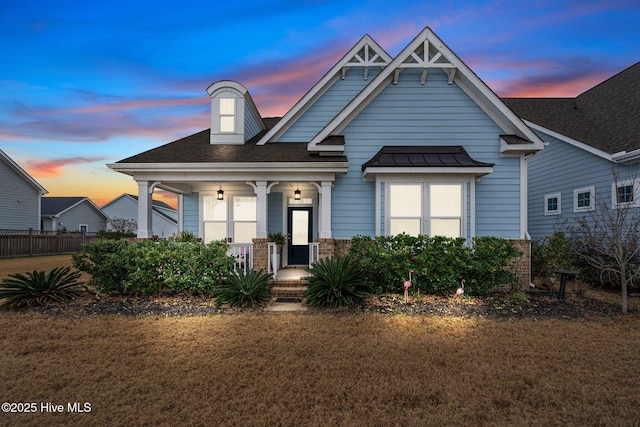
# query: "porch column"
{"type": "Point", "coordinates": [261, 201]}
{"type": "Point", "coordinates": [325, 210]}
{"type": "Point", "coordinates": [145, 230]}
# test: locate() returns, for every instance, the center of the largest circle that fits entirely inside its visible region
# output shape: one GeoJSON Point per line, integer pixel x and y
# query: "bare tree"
{"type": "Point", "coordinates": [608, 239]}
{"type": "Point", "coordinates": [123, 225]}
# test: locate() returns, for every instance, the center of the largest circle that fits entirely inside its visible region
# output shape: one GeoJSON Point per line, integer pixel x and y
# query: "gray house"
{"type": "Point", "coordinates": [381, 145]}
{"type": "Point", "coordinates": [72, 214]}
{"type": "Point", "coordinates": [592, 153]}
{"type": "Point", "coordinates": [164, 218]}
{"type": "Point", "coordinates": [20, 197]}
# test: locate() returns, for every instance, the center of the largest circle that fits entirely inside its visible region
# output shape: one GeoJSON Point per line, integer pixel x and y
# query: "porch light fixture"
{"type": "Point", "coordinates": [220, 193]}
{"type": "Point", "coordinates": [297, 194]}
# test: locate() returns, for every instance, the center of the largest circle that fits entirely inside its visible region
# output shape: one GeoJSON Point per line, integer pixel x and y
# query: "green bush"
{"type": "Point", "coordinates": [552, 253]}
{"type": "Point", "coordinates": [151, 267]}
{"type": "Point", "coordinates": [336, 282]}
{"type": "Point", "coordinates": [244, 289]}
{"type": "Point", "coordinates": [439, 263]}
{"type": "Point", "coordinates": [40, 288]}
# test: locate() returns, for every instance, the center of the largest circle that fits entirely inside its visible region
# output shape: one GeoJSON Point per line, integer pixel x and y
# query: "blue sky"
{"type": "Point", "coordinates": [83, 84]}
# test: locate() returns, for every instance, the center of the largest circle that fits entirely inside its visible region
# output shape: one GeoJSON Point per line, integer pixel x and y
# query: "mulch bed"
{"type": "Point", "coordinates": [534, 305]}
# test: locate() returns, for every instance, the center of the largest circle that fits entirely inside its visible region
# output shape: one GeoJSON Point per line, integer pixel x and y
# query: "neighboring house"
{"type": "Point", "coordinates": [164, 217]}
{"type": "Point", "coordinates": [592, 154]}
{"type": "Point", "coordinates": [72, 214]}
{"type": "Point", "coordinates": [380, 145]}
{"type": "Point", "coordinates": [20, 197]}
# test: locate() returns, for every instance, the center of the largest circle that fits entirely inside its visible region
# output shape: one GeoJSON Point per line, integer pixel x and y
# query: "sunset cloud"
{"type": "Point", "coordinates": [54, 167]}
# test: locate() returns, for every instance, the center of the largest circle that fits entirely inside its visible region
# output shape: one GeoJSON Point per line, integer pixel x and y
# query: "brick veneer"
{"type": "Point", "coordinates": [261, 254]}
{"type": "Point", "coordinates": [522, 265]}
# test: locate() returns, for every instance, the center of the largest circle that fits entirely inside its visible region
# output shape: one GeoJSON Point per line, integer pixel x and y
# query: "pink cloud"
{"type": "Point", "coordinates": [52, 168]}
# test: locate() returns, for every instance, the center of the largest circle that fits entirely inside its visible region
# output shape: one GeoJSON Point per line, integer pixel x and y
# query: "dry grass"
{"type": "Point", "coordinates": [296, 369]}
{"type": "Point", "coordinates": [23, 265]}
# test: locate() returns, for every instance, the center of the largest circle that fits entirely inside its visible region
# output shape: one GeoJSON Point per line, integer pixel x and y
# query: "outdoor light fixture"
{"type": "Point", "coordinates": [220, 193]}
{"type": "Point", "coordinates": [297, 194]}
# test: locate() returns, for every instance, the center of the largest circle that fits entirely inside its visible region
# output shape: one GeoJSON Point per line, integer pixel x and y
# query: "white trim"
{"type": "Point", "coordinates": [466, 79]}
{"type": "Point", "coordinates": [302, 167]}
{"type": "Point", "coordinates": [13, 165]}
{"type": "Point", "coordinates": [636, 193]}
{"type": "Point", "coordinates": [523, 196]}
{"type": "Point", "coordinates": [571, 141]}
{"type": "Point", "coordinates": [558, 211]}
{"type": "Point", "coordinates": [592, 199]}
{"type": "Point", "coordinates": [333, 75]}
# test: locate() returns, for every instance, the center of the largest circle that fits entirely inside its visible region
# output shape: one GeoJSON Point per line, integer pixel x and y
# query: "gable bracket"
{"type": "Point", "coordinates": [452, 74]}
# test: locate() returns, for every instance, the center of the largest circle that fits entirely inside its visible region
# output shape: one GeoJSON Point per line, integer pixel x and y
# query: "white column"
{"type": "Point", "coordinates": [261, 201]}
{"type": "Point", "coordinates": [325, 210]}
{"type": "Point", "coordinates": [180, 213]}
{"type": "Point", "coordinates": [145, 230]}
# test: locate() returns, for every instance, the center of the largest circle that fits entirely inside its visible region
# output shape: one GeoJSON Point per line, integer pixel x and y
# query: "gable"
{"type": "Point", "coordinates": [425, 54]}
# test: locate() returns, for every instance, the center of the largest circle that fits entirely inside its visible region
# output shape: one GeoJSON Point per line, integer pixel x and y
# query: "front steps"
{"type": "Point", "coordinates": [287, 288]}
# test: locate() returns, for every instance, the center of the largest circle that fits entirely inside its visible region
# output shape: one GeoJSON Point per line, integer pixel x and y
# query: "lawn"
{"type": "Point", "coordinates": [320, 369]}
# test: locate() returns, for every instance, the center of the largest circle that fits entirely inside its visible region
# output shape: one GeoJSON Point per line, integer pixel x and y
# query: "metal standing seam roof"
{"type": "Point", "coordinates": [424, 157]}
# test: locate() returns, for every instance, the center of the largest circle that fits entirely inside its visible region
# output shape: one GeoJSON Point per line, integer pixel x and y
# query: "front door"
{"type": "Point", "coordinates": [300, 235]}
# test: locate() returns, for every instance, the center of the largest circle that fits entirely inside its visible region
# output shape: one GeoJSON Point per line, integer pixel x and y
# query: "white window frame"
{"type": "Point", "coordinates": [592, 199]}
{"type": "Point", "coordinates": [425, 219]}
{"type": "Point", "coordinates": [230, 220]}
{"type": "Point", "coordinates": [228, 115]}
{"type": "Point", "coordinates": [86, 226]}
{"type": "Point", "coordinates": [636, 193]}
{"type": "Point", "coordinates": [548, 197]}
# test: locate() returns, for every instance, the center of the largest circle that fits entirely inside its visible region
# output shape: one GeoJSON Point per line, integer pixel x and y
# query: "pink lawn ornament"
{"type": "Point", "coordinates": [407, 285]}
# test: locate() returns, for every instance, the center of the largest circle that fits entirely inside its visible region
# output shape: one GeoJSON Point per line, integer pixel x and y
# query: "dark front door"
{"type": "Point", "coordinates": [300, 236]}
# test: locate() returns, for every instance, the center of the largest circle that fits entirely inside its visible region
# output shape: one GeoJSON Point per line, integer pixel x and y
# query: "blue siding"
{"type": "Point", "coordinates": [18, 200]}
{"type": "Point", "coordinates": [562, 168]}
{"type": "Point", "coordinates": [251, 124]}
{"type": "Point", "coordinates": [432, 114]}
{"type": "Point", "coordinates": [328, 106]}
{"type": "Point", "coordinates": [274, 214]}
{"type": "Point", "coordinates": [191, 212]}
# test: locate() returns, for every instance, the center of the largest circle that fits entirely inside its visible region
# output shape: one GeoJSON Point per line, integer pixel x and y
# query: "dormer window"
{"type": "Point", "coordinates": [227, 115]}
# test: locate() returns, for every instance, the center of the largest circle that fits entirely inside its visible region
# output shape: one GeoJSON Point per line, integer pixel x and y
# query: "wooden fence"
{"type": "Point", "coordinates": [18, 243]}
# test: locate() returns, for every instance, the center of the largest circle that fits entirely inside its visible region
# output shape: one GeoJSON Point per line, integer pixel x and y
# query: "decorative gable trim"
{"type": "Point", "coordinates": [366, 53]}
{"type": "Point", "coordinates": [428, 51]}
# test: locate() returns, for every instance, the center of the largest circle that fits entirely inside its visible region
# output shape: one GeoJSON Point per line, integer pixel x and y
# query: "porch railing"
{"type": "Point", "coordinates": [242, 254]}
{"type": "Point", "coordinates": [273, 260]}
{"type": "Point", "coordinates": [313, 252]}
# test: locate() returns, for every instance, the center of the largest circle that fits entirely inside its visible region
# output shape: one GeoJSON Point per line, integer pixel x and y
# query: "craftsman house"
{"type": "Point", "coordinates": [592, 154]}
{"type": "Point", "coordinates": [380, 145]}
{"type": "Point", "coordinates": [20, 197]}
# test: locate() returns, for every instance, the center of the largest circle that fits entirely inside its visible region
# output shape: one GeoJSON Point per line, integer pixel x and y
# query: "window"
{"type": "Point", "coordinates": [584, 199]}
{"type": "Point", "coordinates": [242, 212]}
{"type": "Point", "coordinates": [626, 194]}
{"type": "Point", "coordinates": [83, 228]}
{"type": "Point", "coordinates": [432, 209]}
{"type": "Point", "coordinates": [227, 115]}
{"type": "Point", "coordinates": [244, 219]}
{"type": "Point", "coordinates": [552, 204]}
{"type": "Point", "coordinates": [214, 215]}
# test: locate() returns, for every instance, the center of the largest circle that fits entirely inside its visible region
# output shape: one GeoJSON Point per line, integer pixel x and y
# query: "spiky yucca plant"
{"type": "Point", "coordinates": [336, 282]}
{"type": "Point", "coordinates": [39, 287]}
{"type": "Point", "coordinates": [244, 289]}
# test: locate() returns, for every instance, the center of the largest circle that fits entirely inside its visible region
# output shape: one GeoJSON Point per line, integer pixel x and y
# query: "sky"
{"type": "Point", "coordinates": [84, 84]}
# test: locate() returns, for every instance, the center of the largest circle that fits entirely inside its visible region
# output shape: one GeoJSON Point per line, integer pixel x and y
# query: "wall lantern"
{"type": "Point", "coordinates": [297, 194]}
{"type": "Point", "coordinates": [220, 193]}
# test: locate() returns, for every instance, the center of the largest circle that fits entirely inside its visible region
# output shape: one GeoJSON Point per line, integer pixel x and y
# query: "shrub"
{"type": "Point", "coordinates": [244, 289]}
{"type": "Point", "coordinates": [40, 288]}
{"type": "Point", "coordinates": [487, 268]}
{"type": "Point", "coordinates": [151, 267]}
{"type": "Point", "coordinates": [552, 253]}
{"type": "Point", "coordinates": [336, 282]}
{"type": "Point", "coordinates": [185, 236]}
{"type": "Point", "coordinates": [438, 262]}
